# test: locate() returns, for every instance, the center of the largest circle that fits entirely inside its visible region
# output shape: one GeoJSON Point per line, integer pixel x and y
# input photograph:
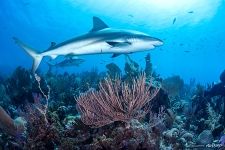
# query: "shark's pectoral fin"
{"type": "Point", "coordinates": [118, 44]}
{"type": "Point", "coordinates": [115, 55]}
{"type": "Point", "coordinates": [113, 44]}
{"type": "Point", "coordinates": [98, 24]}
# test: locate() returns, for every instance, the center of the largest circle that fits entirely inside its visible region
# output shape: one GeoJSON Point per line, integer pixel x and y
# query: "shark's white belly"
{"type": "Point", "coordinates": [104, 48]}
{"type": "Point", "coordinates": [96, 48]}
{"type": "Point", "coordinates": [82, 49]}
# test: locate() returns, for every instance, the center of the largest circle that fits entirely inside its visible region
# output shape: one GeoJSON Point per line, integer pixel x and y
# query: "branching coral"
{"type": "Point", "coordinates": [113, 70]}
{"type": "Point", "coordinates": [156, 118]}
{"type": "Point", "coordinates": [116, 101]}
{"type": "Point", "coordinates": [213, 118]}
{"type": "Point", "coordinates": [43, 131]}
{"type": "Point", "coordinates": [131, 69]}
{"type": "Point", "coordinates": [37, 98]}
{"type": "Point", "coordinates": [41, 135]}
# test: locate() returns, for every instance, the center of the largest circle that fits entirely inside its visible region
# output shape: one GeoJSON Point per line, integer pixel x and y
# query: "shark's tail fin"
{"type": "Point", "coordinates": [36, 57]}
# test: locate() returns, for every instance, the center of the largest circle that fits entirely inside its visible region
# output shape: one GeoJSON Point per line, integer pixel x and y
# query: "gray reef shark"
{"type": "Point", "coordinates": [100, 40]}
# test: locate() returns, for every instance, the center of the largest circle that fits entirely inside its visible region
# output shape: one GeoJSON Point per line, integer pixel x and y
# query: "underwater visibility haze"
{"type": "Point", "coordinates": [95, 74]}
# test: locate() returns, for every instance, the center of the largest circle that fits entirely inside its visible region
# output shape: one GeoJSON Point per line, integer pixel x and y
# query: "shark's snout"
{"type": "Point", "coordinates": [154, 41]}
{"type": "Point", "coordinates": [158, 42]}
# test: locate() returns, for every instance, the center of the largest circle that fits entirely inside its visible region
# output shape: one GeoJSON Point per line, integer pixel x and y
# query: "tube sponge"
{"type": "Point", "coordinates": [8, 125]}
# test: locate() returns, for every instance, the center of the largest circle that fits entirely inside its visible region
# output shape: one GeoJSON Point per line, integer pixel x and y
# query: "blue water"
{"type": "Point", "coordinates": [192, 30]}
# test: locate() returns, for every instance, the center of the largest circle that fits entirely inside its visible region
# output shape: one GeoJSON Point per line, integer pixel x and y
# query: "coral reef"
{"type": "Point", "coordinates": [4, 98]}
{"type": "Point", "coordinates": [8, 125]}
{"type": "Point", "coordinates": [41, 134]}
{"type": "Point", "coordinates": [137, 136]}
{"type": "Point", "coordinates": [19, 86]}
{"type": "Point", "coordinates": [131, 69]}
{"type": "Point", "coordinates": [173, 85]}
{"type": "Point", "coordinates": [113, 70]}
{"type": "Point", "coordinates": [127, 111]}
{"type": "Point", "coordinates": [148, 66]}
{"type": "Point", "coordinates": [213, 117]}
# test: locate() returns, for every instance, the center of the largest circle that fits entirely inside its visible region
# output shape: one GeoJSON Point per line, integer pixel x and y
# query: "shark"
{"type": "Point", "coordinates": [101, 39]}
{"type": "Point", "coordinates": [68, 62]}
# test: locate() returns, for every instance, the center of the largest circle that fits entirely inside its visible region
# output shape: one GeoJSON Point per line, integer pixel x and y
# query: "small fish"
{"type": "Point", "coordinates": [191, 12]}
{"type": "Point", "coordinates": [174, 20]}
{"type": "Point", "coordinates": [187, 51]}
{"type": "Point", "coordinates": [181, 44]}
{"type": "Point", "coordinates": [68, 62]}
{"type": "Point", "coordinates": [130, 15]}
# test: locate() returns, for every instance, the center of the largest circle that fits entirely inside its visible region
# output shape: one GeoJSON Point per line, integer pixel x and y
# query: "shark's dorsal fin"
{"type": "Point", "coordinates": [98, 24]}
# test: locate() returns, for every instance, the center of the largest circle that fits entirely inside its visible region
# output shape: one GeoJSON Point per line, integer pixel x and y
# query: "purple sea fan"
{"type": "Point", "coordinates": [116, 101]}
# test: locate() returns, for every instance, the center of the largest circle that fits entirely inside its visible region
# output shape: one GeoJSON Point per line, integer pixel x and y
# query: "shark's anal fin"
{"type": "Point", "coordinates": [118, 44]}
{"type": "Point", "coordinates": [98, 24]}
{"type": "Point", "coordinates": [115, 55]}
{"type": "Point", "coordinates": [53, 56]}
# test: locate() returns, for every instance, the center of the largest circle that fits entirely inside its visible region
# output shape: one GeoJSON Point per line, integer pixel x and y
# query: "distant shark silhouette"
{"type": "Point", "coordinates": [68, 62]}
{"type": "Point", "coordinates": [100, 40]}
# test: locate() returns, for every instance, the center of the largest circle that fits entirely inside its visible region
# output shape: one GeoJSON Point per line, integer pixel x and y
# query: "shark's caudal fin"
{"type": "Point", "coordinates": [36, 57]}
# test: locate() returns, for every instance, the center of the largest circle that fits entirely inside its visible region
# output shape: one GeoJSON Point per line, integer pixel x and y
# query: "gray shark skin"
{"type": "Point", "coordinates": [100, 40]}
